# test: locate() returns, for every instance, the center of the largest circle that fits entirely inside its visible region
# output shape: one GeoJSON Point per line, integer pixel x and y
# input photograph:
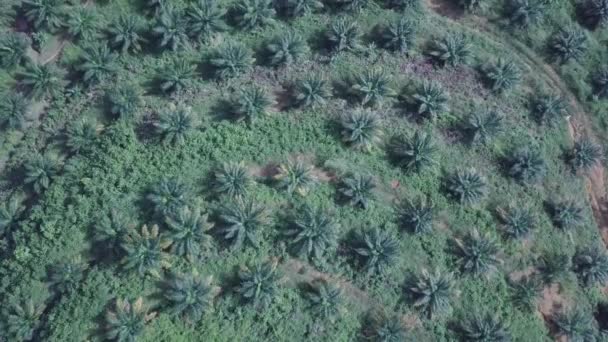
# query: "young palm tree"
{"type": "Point", "coordinates": [358, 189]}
{"type": "Point", "coordinates": [66, 276]}
{"type": "Point", "coordinates": [188, 232]}
{"type": "Point", "coordinates": [325, 299]}
{"type": "Point", "coordinates": [127, 320]}
{"type": "Point", "coordinates": [484, 327]}
{"type": "Point", "coordinates": [231, 60]}
{"type": "Point", "coordinates": [430, 100]}
{"type": "Point", "coordinates": [451, 50]}
{"type": "Point", "coordinates": [377, 251]}
{"type": "Point", "coordinates": [171, 28]}
{"type": "Point", "coordinates": [482, 126]}
{"type": "Point", "coordinates": [566, 215]}
{"type": "Point", "coordinates": [361, 129]}
{"type": "Point", "coordinates": [467, 186]}
{"type": "Point", "coordinates": [527, 165]}
{"type": "Point", "coordinates": [44, 14]}
{"type": "Point", "coordinates": [205, 18]}
{"type": "Point", "coordinates": [312, 233]}
{"type": "Point", "coordinates": [526, 292]}
{"type": "Point", "coordinates": [477, 253]}
{"type": "Point", "coordinates": [174, 126]}
{"type": "Point", "coordinates": [189, 295]}
{"type": "Point", "coordinates": [575, 325]}
{"type": "Point", "coordinates": [13, 48]}
{"type": "Point", "coordinates": [111, 229]}
{"type": "Point", "coordinates": [168, 196]}
{"type": "Point", "coordinates": [569, 44]}
{"type": "Point", "coordinates": [295, 177]}
{"type": "Point", "coordinates": [10, 212]}
{"type": "Point", "coordinates": [82, 23]}
{"type": "Point", "coordinates": [250, 103]}
{"type": "Point", "coordinates": [251, 14]}
{"type": "Point", "coordinates": [596, 12]}
{"type": "Point", "coordinates": [517, 222]}
{"type": "Point", "coordinates": [600, 82]}
{"type": "Point", "coordinates": [258, 284]}
{"type": "Point", "coordinates": [398, 36]}
{"type": "Point", "coordinates": [125, 34]}
{"type": "Point", "coordinates": [502, 75]}
{"type": "Point", "coordinates": [585, 154]}
{"type": "Point", "coordinates": [242, 221]}
{"type": "Point", "coordinates": [548, 108]}
{"type": "Point", "coordinates": [13, 110]}
{"type": "Point", "coordinates": [313, 91]}
{"type": "Point", "coordinates": [97, 63]}
{"type": "Point", "coordinates": [591, 266]}
{"type": "Point", "coordinates": [41, 80]}
{"type": "Point", "coordinates": [414, 153]}
{"type": "Point", "coordinates": [383, 327]}
{"type": "Point", "coordinates": [431, 293]}
{"type": "Point", "coordinates": [22, 319]}
{"type": "Point", "coordinates": [81, 135]}
{"type": "Point", "coordinates": [417, 216]}
{"type": "Point", "coordinates": [300, 8]}
{"type": "Point", "coordinates": [286, 49]}
{"type": "Point", "coordinates": [144, 251]}
{"type": "Point", "coordinates": [554, 267]}
{"type": "Point", "coordinates": [344, 35]}
{"type": "Point", "coordinates": [525, 13]}
{"type": "Point", "coordinates": [40, 171]}
{"type": "Point", "coordinates": [371, 87]}
{"type": "Point", "coordinates": [232, 179]}
{"type": "Point", "coordinates": [176, 76]}
{"type": "Point", "coordinates": [124, 100]}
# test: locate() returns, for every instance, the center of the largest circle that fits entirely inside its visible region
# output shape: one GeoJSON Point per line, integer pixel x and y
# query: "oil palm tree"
{"type": "Point", "coordinates": [97, 64]}
{"type": "Point", "coordinates": [125, 34]}
{"type": "Point", "coordinates": [175, 125]}
{"type": "Point", "coordinates": [171, 28]}
{"type": "Point", "coordinates": [312, 233]}
{"type": "Point", "coordinates": [10, 212]}
{"type": "Point", "coordinates": [176, 76]}
{"type": "Point", "coordinates": [232, 179]}
{"type": "Point", "coordinates": [377, 251]}
{"type": "Point", "coordinates": [125, 100]}
{"type": "Point", "coordinates": [231, 60]}
{"type": "Point", "coordinates": [371, 87]}
{"type": "Point", "coordinates": [451, 50]}
{"type": "Point", "coordinates": [65, 277]}
{"type": "Point", "coordinates": [384, 327]}
{"type": "Point", "coordinates": [568, 44]}
{"type": "Point", "coordinates": [241, 222]}
{"type": "Point", "coordinates": [22, 319]}
{"type": "Point", "coordinates": [189, 295]}
{"type": "Point", "coordinates": [144, 251]}
{"type": "Point", "coordinates": [13, 48]}
{"type": "Point", "coordinates": [343, 35]}
{"type": "Point", "coordinates": [111, 229]}
{"type": "Point", "coordinates": [325, 299]}
{"type": "Point", "coordinates": [430, 100]}
{"type": "Point", "coordinates": [525, 13]}
{"type": "Point", "coordinates": [467, 186]}
{"type": "Point", "coordinates": [41, 80]}
{"type": "Point", "coordinates": [502, 75]}
{"type": "Point", "coordinates": [205, 18]}
{"type": "Point", "coordinates": [554, 267]}
{"type": "Point", "coordinates": [548, 108]}
{"type": "Point", "coordinates": [399, 36]}
{"type": "Point", "coordinates": [286, 49]}
{"type": "Point", "coordinates": [482, 126]}
{"type": "Point", "coordinates": [44, 14]}
{"type": "Point", "coordinates": [477, 253]}
{"type": "Point", "coordinates": [575, 325]}
{"type": "Point", "coordinates": [417, 215]}
{"type": "Point", "coordinates": [81, 135]}
{"type": "Point", "coordinates": [484, 327]}
{"type": "Point", "coordinates": [591, 266]}
{"type": "Point", "coordinates": [361, 129]}
{"type": "Point", "coordinates": [251, 14]}
{"type": "Point", "coordinates": [566, 215]}
{"type": "Point", "coordinates": [258, 284]}
{"type": "Point", "coordinates": [40, 171]}
{"type": "Point", "coordinates": [250, 103]}
{"type": "Point", "coordinates": [527, 165]}
{"type": "Point", "coordinates": [596, 12]}
{"type": "Point", "coordinates": [526, 292]}
{"type": "Point", "coordinates": [358, 189]}
{"type": "Point", "coordinates": [81, 23]}
{"type": "Point", "coordinates": [295, 176]}
{"type": "Point", "coordinates": [168, 196]}
{"type": "Point", "coordinates": [188, 232]}
{"type": "Point", "coordinates": [313, 91]}
{"type": "Point", "coordinates": [518, 222]}
{"type": "Point", "coordinates": [585, 154]}
{"type": "Point", "coordinates": [300, 8]}
{"type": "Point", "coordinates": [13, 110]}
{"type": "Point", "coordinates": [414, 153]}
{"type": "Point", "coordinates": [431, 292]}
{"type": "Point", "coordinates": [127, 320]}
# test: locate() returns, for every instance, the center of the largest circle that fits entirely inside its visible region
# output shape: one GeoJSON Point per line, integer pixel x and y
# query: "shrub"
{"type": "Point", "coordinates": [431, 293]}
{"type": "Point", "coordinates": [144, 251]}
{"type": "Point", "coordinates": [232, 179]}
{"type": "Point", "coordinates": [358, 189]}
{"type": "Point", "coordinates": [312, 233]}
{"type": "Point", "coordinates": [190, 295]}
{"type": "Point", "coordinates": [575, 325]}
{"type": "Point", "coordinates": [22, 319]}
{"type": "Point", "coordinates": [430, 100]}
{"type": "Point", "coordinates": [171, 28]}
{"type": "Point", "coordinates": [527, 165]}
{"type": "Point", "coordinates": [344, 35]}
{"type": "Point", "coordinates": [361, 129]}
{"type": "Point", "coordinates": [125, 34]}
{"type": "Point", "coordinates": [205, 18]}
{"type": "Point", "coordinates": [188, 232]}
{"type": "Point", "coordinates": [477, 253]}
{"type": "Point", "coordinates": [13, 48]}
{"type": "Point", "coordinates": [168, 196]}
{"type": "Point", "coordinates": [250, 103]}
{"type": "Point", "coordinates": [286, 49]}
{"type": "Point", "coordinates": [596, 12]}
{"type": "Point", "coordinates": [566, 215]}
{"type": "Point", "coordinates": [242, 221]}
{"type": "Point", "coordinates": [41, 81]}
{"type": "Point", "coordinates": [526, 292]}
{"type": "Point", "coordinates": [81, 135]}
{"type": "Point", "coordinates": [258, 284]}
{"type": "Point", "coordinates": [10, 212]}
{"type": "Point", "coordinates": [585, 154]}
{"type": "Point", "coordinates": [325, 299]}
{"type": "Point", "coordinates": [398, 35]}
{"type": "Point", "coordinates": [525, 13]}
{"type": "Point", "coordinates": [414, 153]}
{"type": "Point", "coordinates": [175, 76]}
{"type": "Point", "coordinates": [251, 14]}
{"type": "Point", "coordinates": [371, 86]}
{"type": "Point", "coordinates": [40, 170]}
{"type": "Point", "coordinates": [174, 126]}
{"type": "Point", "coordinates": [66, 276]}
{"type": "Point", "coordinates": [591, 266]}
{"type": "Point", "coordinates": [313, 91]}
{"type": "Point", "coordinates": [231, 60]}
{"type": "Point", "coordinates": [295, 176]}
{"type": "Point", "coordinates": [547, 109]}
{"type": "Point", "coordinates": [554, 268]}
{"type": "Point", "coordinates": [124, 100]}
{"type": "Point", "coordinates": [484, 327]}
{"type": "Point", "coordinates": [518, 222]}
{"type": "Point", "coordinates": [13, 110]}
{"type": "Point", "coordinates": [467, 186]}
{"type": "Point", "coordinates": [81, 23]}
{"type": "Point", "coordinates": [97, 64]}
{"type": "Point", "coordinates": [567, 45]}
{"type": "Point", "coordinates": [482, 126]}
{"type": "Point", "coordinates": [127, 320]}
{"type": "Point", "coordinates": [417, 216]}
{"type": "Point", "coordinates": [451, 50]}
{"type": "Point", "coordinates": [502, 75]}
{"type": "Point", "coordinates": [44, 14]}
{"type": "Point", "coordinates": [377, 251]}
